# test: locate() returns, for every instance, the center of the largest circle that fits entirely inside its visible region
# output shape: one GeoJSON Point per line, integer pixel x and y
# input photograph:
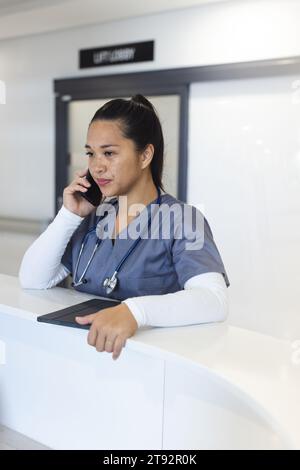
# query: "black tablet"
{"type": "Point", "coordinates": [66, 316]}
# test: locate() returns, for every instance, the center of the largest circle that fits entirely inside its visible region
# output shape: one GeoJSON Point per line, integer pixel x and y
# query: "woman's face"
{"type": "Point", "coordinates": [113, 161]}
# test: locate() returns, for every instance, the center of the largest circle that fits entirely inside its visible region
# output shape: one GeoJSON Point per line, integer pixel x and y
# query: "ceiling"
{"type": "Point", "coordinates": [15, 6]}
{"type": "Point", "coordinates": [25, 17]}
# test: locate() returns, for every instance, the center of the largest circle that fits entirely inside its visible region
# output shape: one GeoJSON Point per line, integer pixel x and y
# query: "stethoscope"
{"type": "Point", "coordinates": [109, 283]}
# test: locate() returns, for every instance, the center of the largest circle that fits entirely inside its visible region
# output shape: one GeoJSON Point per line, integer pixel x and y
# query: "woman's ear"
{"type": "Point", "coordinates": [147, 155]}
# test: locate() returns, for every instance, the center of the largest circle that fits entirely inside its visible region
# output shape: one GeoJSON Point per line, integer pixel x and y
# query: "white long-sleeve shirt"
{"type": "Point", "coordinates": [203, 300]}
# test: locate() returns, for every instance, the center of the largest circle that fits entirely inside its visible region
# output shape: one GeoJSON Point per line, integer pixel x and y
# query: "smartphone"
{"type": "Point", "coordinates": [93, 194]}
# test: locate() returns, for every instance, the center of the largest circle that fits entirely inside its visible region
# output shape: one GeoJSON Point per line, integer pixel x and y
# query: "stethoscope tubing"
{"type": "Point", "coordinates": [120, 264]}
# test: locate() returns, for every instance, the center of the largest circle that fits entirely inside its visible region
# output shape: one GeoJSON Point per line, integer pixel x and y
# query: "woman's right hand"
{"type": "Point", "coordinates": [72, 200]}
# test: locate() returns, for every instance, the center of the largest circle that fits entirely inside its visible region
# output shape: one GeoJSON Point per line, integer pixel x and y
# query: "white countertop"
{"type": "Point", "coordinates": [256, 366]}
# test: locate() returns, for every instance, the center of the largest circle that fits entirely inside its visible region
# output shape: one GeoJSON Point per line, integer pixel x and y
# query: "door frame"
{"type": "Point", "coordinates": [82, 91]}
{"type": "Point", "coordinates": [151, 83]}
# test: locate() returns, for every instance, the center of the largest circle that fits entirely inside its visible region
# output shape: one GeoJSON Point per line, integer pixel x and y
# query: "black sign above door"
{"type": "Point", "coordinates": [120, 54]}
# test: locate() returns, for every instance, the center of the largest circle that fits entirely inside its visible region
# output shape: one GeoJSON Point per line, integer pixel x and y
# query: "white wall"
{"type": "Point", "coordinates": [245, 170]}
{"type": "Point", "coordinates": [216, 33]}
{"type": "Point", "coordinates": [22, 17]}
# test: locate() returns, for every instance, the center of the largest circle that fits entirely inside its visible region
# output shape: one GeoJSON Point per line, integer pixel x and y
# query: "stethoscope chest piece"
{"type": "Point", "coordinates": [110, 283]}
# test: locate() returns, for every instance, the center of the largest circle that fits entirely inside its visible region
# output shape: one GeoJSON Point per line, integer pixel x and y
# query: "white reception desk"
{"type": "Point", "coordinates": [210, 386]}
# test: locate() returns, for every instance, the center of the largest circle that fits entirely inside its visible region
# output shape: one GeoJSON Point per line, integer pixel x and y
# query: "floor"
{"type": "Point", "coordinates": [12, 440]}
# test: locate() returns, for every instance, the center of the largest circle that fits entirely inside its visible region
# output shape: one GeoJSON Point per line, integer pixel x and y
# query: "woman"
{"type": "Point", "coordinates": [166, 280]}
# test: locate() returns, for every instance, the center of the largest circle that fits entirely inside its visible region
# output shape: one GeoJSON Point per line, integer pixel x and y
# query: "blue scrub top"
{"type": "Point", "coordinates": [156, 266]}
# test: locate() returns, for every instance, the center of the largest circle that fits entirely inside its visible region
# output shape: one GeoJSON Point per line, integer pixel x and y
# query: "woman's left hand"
{"type": "Point", "coordinates": [110, 328]}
